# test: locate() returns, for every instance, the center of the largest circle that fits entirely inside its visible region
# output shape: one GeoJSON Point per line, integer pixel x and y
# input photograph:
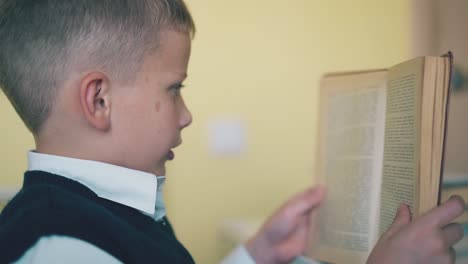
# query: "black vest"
{"type": "Point", "coordinates": [49, 204]}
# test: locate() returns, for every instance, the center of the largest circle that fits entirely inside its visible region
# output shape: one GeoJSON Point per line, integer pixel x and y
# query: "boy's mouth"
{"type": "Point", "coordinates": [170, 155]}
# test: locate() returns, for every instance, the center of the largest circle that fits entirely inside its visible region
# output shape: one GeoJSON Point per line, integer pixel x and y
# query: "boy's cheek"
{"type": "Point", "coordinates": [158, 106]}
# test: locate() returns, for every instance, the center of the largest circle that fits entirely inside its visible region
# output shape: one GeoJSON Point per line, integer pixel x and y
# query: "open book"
{"type": "Point", "coordinates": [381, 143]}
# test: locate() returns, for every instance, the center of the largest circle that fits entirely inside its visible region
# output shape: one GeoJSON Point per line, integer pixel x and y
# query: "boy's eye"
{"type": "Point", "coordinates": [175, 89]}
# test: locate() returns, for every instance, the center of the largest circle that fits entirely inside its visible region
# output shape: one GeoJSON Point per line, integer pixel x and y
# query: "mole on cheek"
{"type": "Point", "coordinates": [158, 106]}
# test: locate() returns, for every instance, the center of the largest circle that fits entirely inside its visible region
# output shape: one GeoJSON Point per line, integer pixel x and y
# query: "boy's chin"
{"type": "Point", "coordinates": [160, 171]}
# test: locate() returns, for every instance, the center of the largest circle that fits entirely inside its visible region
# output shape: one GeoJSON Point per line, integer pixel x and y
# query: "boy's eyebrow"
{"type": "Point", "coordinates": [178, 76]}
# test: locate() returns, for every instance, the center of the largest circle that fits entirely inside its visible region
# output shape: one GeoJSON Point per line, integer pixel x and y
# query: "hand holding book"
{"type": "Point", "coordinates": [284, 235]}
{"type": "Point", "coordinates": [428, 239]}
{"type": "Point", "coordinates": [425, 240]}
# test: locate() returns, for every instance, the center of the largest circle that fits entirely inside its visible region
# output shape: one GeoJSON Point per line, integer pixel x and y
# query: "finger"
{"type": "Point", "coordinates": [303, 233]}
{"type": "Point", "coordinates": [445, 213]}
{"type": "Point", "coordinates": [453, 255]}
{"type": "Point", "coordinates": [402, 218]}
{"type": "Point", "coordinates": [452, 234]}
{"type": "Point", "coordinates": [306, 201]}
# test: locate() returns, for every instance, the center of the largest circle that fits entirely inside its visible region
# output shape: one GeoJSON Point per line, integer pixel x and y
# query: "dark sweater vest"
{"type": "Point", "coordinates": [49, 204]}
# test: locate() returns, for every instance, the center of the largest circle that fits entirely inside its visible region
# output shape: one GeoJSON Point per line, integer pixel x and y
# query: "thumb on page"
{"type": "Point", "coordinates": [402, 218]}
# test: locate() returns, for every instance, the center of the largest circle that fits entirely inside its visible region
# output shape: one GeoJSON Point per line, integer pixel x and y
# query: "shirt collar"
{"type": "Point", "coordinates": [133, 188]}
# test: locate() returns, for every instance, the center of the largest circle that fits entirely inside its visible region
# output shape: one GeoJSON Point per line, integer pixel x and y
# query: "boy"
{"type": "Point", "coordinates": [97, 82]}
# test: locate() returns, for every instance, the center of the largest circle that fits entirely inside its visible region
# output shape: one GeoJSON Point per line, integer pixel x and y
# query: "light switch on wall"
{"type": "Point", "coordinates": [227, 137]}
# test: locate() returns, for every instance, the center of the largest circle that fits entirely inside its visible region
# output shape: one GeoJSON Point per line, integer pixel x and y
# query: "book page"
{"type": "Point", "coordinates": [352, 124]}
{"type": "Point", "coordinates": [401, 143]}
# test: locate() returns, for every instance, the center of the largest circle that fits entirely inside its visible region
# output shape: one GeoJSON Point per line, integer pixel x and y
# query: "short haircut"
{"type": "Point", "coordinates": [42, 42]}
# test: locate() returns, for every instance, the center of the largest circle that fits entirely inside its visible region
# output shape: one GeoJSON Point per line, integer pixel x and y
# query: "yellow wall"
{"type": "Point", "coordinates": [15, 141]}
{"type": "Point", "coordinates": [259, 61]}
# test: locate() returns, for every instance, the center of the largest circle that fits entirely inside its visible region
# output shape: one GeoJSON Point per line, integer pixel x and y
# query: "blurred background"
{"type": "Point", "coordinates": [253, 89]}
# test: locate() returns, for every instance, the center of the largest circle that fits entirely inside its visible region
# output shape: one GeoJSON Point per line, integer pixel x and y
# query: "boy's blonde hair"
{"type": "Point", "coordinates": [43, 42]}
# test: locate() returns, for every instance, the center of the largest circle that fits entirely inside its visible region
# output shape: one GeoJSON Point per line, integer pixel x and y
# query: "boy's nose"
{"type": "Point", "coordinates": [186, 118]}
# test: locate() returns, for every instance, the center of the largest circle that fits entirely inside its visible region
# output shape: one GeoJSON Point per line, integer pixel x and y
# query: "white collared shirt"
{"type": "Point", "coordinates": [133, 188]}
{"type": "Point", "coordinates": [136, 189]}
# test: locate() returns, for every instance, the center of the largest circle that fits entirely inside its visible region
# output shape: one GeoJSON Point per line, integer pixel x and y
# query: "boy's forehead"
{"type": "Point", "coordinates": [172, 43]}
{"type": "Point", "coordinates": [171, 56]}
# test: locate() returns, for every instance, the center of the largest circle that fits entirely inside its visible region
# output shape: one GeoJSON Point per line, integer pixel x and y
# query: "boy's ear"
{"type": "Point", "coordinates": [95, 100]}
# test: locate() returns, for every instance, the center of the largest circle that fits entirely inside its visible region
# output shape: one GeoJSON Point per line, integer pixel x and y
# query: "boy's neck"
{"type": "Point", "coordinates": [72, 147]}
